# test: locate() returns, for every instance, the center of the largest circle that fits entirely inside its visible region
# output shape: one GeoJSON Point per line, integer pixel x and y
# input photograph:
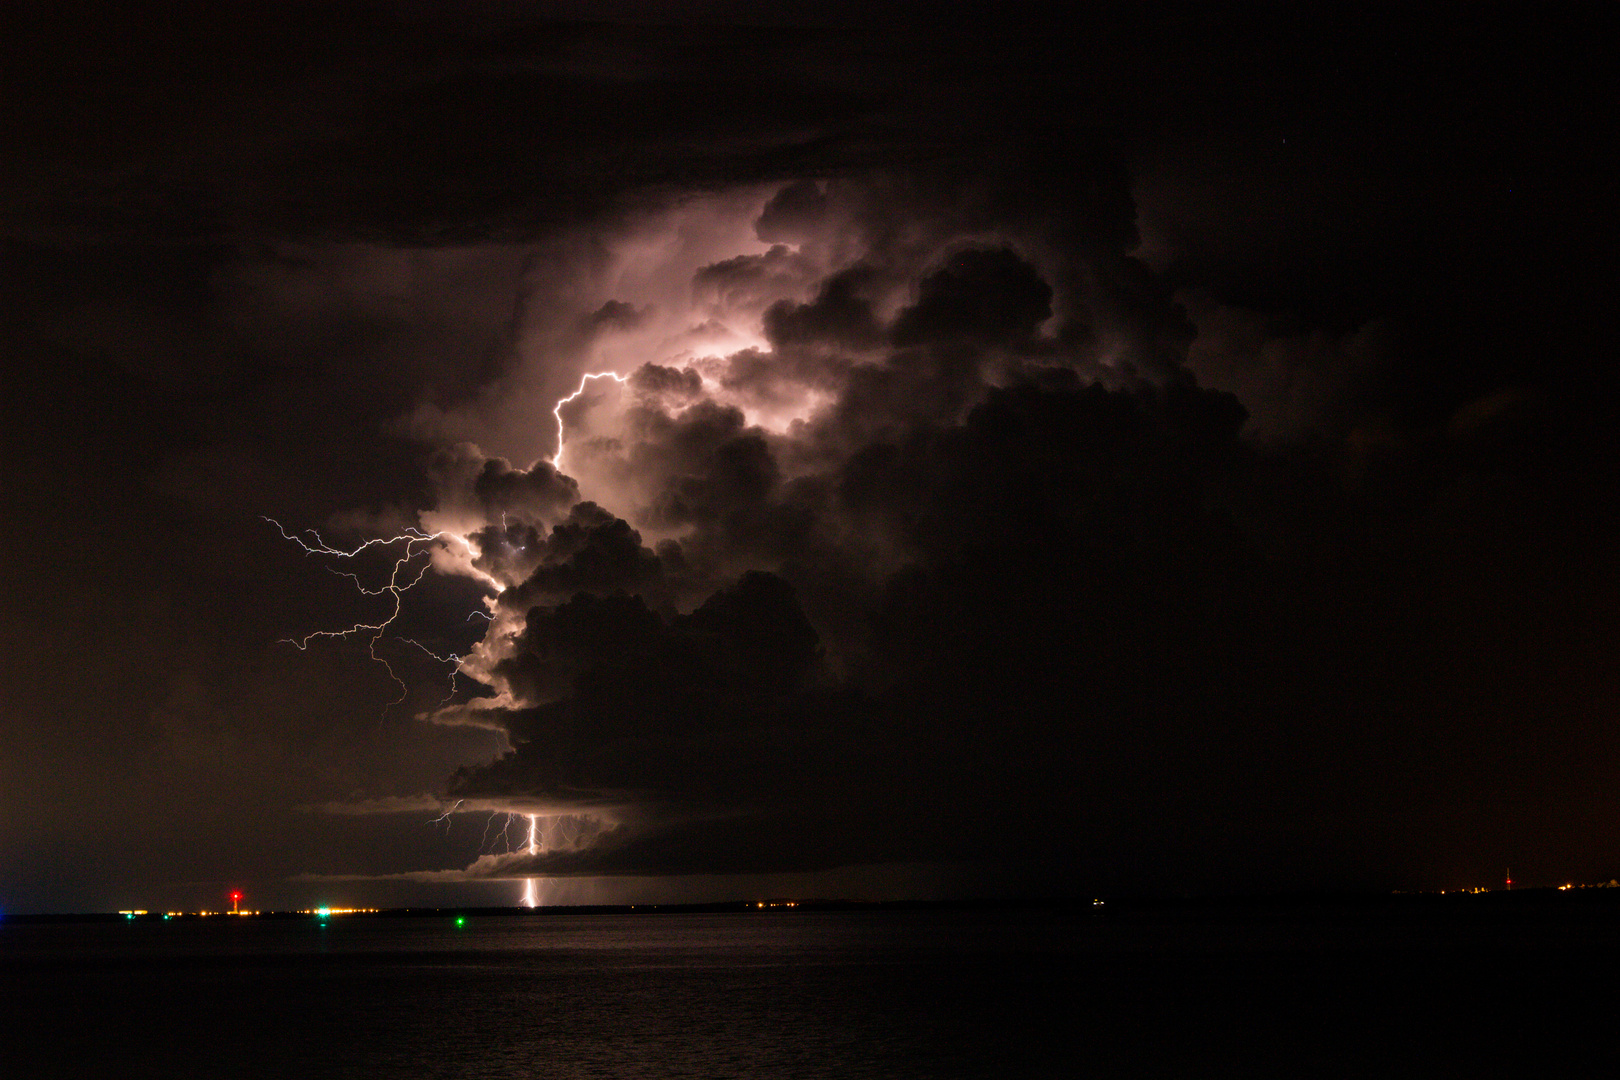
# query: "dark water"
{"type": "Point", "coordinates": [1166, 993]}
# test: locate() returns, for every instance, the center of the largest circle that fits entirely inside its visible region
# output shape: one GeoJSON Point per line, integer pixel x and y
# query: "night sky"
{"type": "Point", "coordinates": [1132, 453]}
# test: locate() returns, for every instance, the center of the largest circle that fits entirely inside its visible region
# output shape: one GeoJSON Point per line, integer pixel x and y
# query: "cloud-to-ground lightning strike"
{"type": "Point", "coordinates": [489, 845]}
{"type": "Point", "coordinates": [534, 849]}
{"type": "Point", "coordinates": [402, 579]}
{"type": "Point", "coordinates": [556, 410]}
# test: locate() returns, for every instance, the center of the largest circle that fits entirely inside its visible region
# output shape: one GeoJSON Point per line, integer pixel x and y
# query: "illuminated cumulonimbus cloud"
{"type": "Point", "coordinates": [786, 414]}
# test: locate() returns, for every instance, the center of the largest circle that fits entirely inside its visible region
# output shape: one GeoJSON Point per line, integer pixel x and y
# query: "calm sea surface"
{"type": "Point", "coordinates": [811, 994]}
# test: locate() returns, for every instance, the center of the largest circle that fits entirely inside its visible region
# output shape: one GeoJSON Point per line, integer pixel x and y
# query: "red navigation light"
{"type": "Point", "coordinates": [236, 896]}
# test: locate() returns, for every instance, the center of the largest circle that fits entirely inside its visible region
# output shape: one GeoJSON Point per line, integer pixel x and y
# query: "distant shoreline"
{"type": "Point", "coordinates": [1502, 901]}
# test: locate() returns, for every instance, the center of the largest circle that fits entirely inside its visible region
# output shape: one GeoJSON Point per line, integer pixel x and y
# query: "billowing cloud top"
{"type": "Point", "coordinates": [850, 583]}
{"type": "Point", "coordinates": [670, 334]}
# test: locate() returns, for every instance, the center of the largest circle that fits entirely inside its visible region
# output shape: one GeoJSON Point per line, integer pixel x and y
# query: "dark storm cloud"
{"type": "Point", "coordinates": [1296, 384]}
{"type": "Point", "coordinates": [794, 214]}
{"type": "Point", "coordinates": [982, 295]}
{"type": "Point", "coordinates": [615, 315]}
{"type": "Point", "coordinates": [425, 127]}
{"type": "Point", "coordinates": [1068, 613]}
{"type": "Point", "coordinates": [739, 473]}
{"type": "Point", "coordinates": [1050, 543]}
{"type": "Point", "coordinates": [589, 552]}
{"type": "Point", "coordinates": [838, 316]}
{"type": "Point", "coordinates": [539, 489]}
{"type": "Point", "coordinates": [669, 713]}
{"type": "Point", "coordinates": [468, 482]}
{"type": "Point", "coordinates": [635, 670]}
{"type": "Point", "coordinates": [751, 278]}
{"type": "Point", "coordinates": [671, 384]}
{"type": "Point", "coordinates": [924, 528]}
{"type": "Point", "coordinates": [941, 542]}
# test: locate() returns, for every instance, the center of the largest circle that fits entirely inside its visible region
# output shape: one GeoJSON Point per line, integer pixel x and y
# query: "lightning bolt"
{"type": "Point", "coordinates": [401, 579]}
{"type": "Point", "coordinates": [534, 849]}
{"type": "Point", "coordinates": [445, 816]}
{"type": "Point", "coordinates": [483, 842]}
{"type": "Point", "coordinates": [452, 660]}
{"type": "Point", "coordinates": [404, 576]}
{"type": "Point", "coordinates": [531, 844]}
{"type": "Point", "coordinates": [556, 410]}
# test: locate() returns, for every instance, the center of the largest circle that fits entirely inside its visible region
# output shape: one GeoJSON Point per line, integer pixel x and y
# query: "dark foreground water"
{"type": "Point", "coordinates": [1229, 990]}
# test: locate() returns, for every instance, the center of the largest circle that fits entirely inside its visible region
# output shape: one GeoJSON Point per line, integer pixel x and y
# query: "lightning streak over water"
{"type": "Point", "coordinates": [534, 849]}
{"type": "Point", "coordinates": [405, 575]}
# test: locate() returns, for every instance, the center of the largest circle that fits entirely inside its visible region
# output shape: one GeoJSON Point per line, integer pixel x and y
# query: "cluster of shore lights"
{"type": "Point", "coordinates": [327, 912]}
{"type": "Point", "coordinates": [776, 903]}
{"type": "Point", "coordinates": [1612, 883]}
{"type": "Point", "coordinates": [320, 913]}
{"type": "Point", "coordinates": [166, 914]}
{"type": "Point", "coordinates": [133, 912]}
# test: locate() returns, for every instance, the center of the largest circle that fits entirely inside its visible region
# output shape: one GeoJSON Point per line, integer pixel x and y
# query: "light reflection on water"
{"type": "Point", "coordinates": [946, 994]}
